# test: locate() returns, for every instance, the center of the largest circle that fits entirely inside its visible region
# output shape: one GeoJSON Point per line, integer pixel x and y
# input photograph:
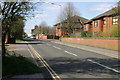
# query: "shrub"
{"type": "Point", "coordinates": [65, 36]}
{"type": "Point", "coordinates": [86, 34]}
{"type": "Point", "coordinates": [112, 32]}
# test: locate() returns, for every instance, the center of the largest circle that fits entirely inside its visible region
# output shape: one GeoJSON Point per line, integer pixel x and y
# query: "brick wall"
{"type": "Point", "coordinates": [59, 32]}
{"type": "Point", "coordinates": [101, 26]}
{"type": "Point", "coordinates": [108, 24]}
{"type": "Point", "coordinates": [103, 43]}
{"type": "Point", "coordinates": [88, 27]}
{"type": "Point", "coordinates": [41, 37]}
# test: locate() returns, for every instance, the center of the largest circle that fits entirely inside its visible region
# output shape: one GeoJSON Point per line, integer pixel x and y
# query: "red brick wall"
{"type": "Point", "coordinates": [59, 32]}
{"type": "Point", "coordinates": [108, 24]}
{"type": "Point", "coordinates": [102, 27]}
{"type": "Point", "coordinates": [104, 43]}
{"type": "Point", "coordinates": [89, 27]}
{"type": "Point", "coordinates": [99, 27]}
{"type": "Point", "coordinates": [41, 37]}
{"type": "Point", "coordinates": [86, 27]}
{"type": "Point", "coordinates": [105, 25]}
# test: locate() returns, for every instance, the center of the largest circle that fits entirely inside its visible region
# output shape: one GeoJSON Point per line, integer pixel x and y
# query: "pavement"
{"type": "Point", "coordinates": [69, 61]}
{"type": "Point", "coordinates": [21, 48]}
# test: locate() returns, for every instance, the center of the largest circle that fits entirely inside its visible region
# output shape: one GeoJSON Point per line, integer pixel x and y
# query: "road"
{"type": "Point", "coordinates": [69, 62]}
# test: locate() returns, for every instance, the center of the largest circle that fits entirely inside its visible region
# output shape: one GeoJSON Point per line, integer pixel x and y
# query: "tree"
{"type": "Point", "coordinates": [44, 28]}
{"type": "Point", "coordinates": [10, 12]}
{"type": "Point", "coordinates": [68, 11]}
{"type": "Point", "coordinates": [51, 30]}
{"type": "Point", "coordinates": [17, 29]}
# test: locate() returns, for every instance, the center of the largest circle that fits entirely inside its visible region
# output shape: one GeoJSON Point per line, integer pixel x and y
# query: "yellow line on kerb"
{"type": "Point", "coordinates": [52, 73]}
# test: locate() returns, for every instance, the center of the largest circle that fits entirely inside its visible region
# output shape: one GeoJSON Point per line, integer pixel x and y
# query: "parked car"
{"type": "Point", "coordinates": [33, 37]}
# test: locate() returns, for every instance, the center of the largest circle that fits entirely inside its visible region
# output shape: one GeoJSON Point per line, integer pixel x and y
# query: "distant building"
{"type": "Point", "coordinates": [77, 23]}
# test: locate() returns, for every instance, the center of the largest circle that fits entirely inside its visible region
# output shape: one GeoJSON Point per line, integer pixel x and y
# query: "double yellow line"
{"type": "Point", "coordinates": [44, 63]}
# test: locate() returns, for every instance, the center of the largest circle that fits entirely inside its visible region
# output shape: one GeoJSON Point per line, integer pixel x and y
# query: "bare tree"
{"type": "Point", "coordinates": [68, 11]}
{"type": "Point", "coordinates": [44, 27]}
{"type": "Point", "coordinates": [65, 18]}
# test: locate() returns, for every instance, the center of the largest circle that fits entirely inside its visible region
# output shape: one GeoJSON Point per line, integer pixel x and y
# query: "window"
{"type": "Point", "coordinates": [96, 23]}
{"type": "Point", "coordinates": [115, 20]}
{"type": "Point", "coordinates": [104, 21]}
{"type": "Point", "coordinates": [86, 27]}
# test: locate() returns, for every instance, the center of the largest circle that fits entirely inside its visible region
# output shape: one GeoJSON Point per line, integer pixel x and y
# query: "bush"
{"type": "Point", "coordinates": [112, 32]}
{"type": "Point", "coordinates": [86, 34]}
{"type": "Point", "coordinates": [65, 36]}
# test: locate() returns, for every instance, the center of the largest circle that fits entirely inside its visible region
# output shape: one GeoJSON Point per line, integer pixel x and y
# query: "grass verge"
{"type": "Point", "coordinates": [19, 40]}
{"type": "Point", "coordinates": [18, 65]}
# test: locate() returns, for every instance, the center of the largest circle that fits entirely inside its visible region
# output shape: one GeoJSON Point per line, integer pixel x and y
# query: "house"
{"type": "Point", "coordinates": [58, 31]}
{"type": "Point", "coordinates": [37, 31]}
{"type": "Point", "coordinates": [88, 26]}
{"type": "Point", "coordinates": [77, 23]}
{"type": "Point", "coordinates": [102, 22]}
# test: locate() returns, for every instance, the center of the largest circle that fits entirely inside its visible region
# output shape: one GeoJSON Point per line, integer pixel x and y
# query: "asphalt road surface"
{"type": "Point", "coordinates": [69, 62]}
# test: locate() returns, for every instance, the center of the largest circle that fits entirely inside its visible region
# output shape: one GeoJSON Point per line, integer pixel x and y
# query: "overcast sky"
{"type": "Point", "coordinates": [49, 13]}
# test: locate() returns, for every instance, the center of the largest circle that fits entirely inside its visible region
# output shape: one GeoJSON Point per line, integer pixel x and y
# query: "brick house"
{"type": "Point", "coordinates": [58, 31]}
{"type": "Point", "coordinates": [77, 22]}
{"type": "Point", "coordinates": [102, 22]}
{"type": "Point", "coordinates": [88, 26]}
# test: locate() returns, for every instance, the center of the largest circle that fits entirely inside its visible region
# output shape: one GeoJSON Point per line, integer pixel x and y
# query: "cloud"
{"type": "Point", "coordinates": [52, 8]}
{"type": "Point", "coordinates": [101, 7]}
{"type": "Point", "coordinates": [47, 10]}
{"type": "Point", "coordinates": [41, 15]}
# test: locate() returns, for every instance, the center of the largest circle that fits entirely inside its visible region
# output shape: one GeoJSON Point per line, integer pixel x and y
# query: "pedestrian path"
{"type": "Point", "coordinates": [110, 53]}
{"type": "Point", "coordinates": [21, 48]}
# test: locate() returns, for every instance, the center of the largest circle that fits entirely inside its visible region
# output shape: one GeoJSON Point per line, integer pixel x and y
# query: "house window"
{"type": "Point", "coordinates": [115, 20]}
{"type": "Point", "coordinates": [96, 23]}
{"type": "Point", "coordinates": [104, 21]}
{"type": "Point", "coordinates": [86, 27]}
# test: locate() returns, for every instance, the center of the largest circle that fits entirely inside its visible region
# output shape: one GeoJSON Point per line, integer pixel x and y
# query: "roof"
{"type": "Point", "coordinates": [107, 13]}
{"type": "Point", "coordinates": [75, 20]}
{"type": "Point", "coordinates": [88, 22]}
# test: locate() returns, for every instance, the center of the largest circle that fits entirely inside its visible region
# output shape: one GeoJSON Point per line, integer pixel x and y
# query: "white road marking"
{"type": "Point", "coordinates": [57, 47]}
{"type": "Point", "coordinates": [33, 57]}
{"type": "Point", "coordinates": [102, 53]}
{"type": "Point", "coordinates": [104, 66]}
{"type": "Point", "coordinates": [70, 53]}
{"type": "Point", "coordinates": [53, 74]}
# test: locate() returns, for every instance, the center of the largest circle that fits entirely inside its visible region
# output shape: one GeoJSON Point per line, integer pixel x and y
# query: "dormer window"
{"type": "Point", "coordinates": [115, 20]}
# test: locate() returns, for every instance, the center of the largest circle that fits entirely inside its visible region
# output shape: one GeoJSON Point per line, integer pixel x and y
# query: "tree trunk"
{"type": "Point", "coordinates": [3, 45]}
